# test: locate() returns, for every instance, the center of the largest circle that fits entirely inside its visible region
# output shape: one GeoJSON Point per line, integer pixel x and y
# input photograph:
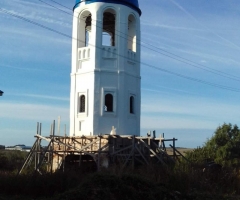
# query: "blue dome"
{"type": "Point", "coordinates": [130, 3]}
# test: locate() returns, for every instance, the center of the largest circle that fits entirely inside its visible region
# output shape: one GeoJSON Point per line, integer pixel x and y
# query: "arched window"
{"type": "Point", "coordinates": [132, 33]}
{"type": "Point", "coordinates": [82, 104]}
{"type": "Point", "coordinates": [108, 32]}
{"type": "Point", "coordinates": [84, 29]}
{"type": "Point", "coordinates": [108, 103]}
{"type": "Point", "coordinates": [131, 105]}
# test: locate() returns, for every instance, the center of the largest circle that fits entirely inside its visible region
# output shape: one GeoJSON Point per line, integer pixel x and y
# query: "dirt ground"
{"type": "Point", "coordinates": [182, 150]}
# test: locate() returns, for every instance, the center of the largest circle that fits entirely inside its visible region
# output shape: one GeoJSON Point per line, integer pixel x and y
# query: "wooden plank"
{"type": "Point", "coordinates": [96, 140]}
{"type": "Point", "coordinates": [70, 146]}
{"type": "Point", "coordinates": [141, 155]}
{"type": "Point", "coordinates": [128, 158]}
{"type": "Point", "coordinates": [180, 154]}
{"type": "Point", "coordinates": [43, 155]}
{"type": "Point", "coordinates": [169, 140]}
{"type": "Point", "coordinates": [152, 152]}
{"type": "Point", "coordinates": [164, 152]}
{"type": "Point", "coordinates": [116, 152]}
{"type": "Point", "coordinates": [28, 157]}
{"type": "Point", "coordinates": [104, 147]}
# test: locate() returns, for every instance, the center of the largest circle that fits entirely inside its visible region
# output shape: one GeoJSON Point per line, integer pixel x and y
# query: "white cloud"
{"type": "Point", "coordinates": [187, 112]}
{"type": "Point", "coordinates": [45, 97]}
{"type": "Point", "coordinates": [37, 11]}
{"type": "Point", "coordinates": [162, 88]}
{"type": "Point", "coordinates": [205, 27]}
{"type": "Point", "coordinates": [25, 68]}
{"type": "Point", "coordinates": [170, 27]}
{"type": "Point", "coordinates": [32, 111]}
{"type": "Point", "coordinates": [153, 122]}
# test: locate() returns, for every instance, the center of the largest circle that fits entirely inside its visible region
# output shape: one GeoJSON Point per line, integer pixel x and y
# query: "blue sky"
{"type": "Point", "coordinates": [181, 102]}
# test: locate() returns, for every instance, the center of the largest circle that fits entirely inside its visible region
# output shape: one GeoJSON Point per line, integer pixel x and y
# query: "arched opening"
{"type": "Point", "coordinates": [108, 103]}
{"type": "Point", "coordinates": [82, 104]}
{"type": "Point", "coordinates": [85, 163]}
{"type": "Point", "coordinates": [131, 105]}
{"type": "Point", "coordinates": [132, 33]}
{"type": "Point", "coordinates": [84, 30]}
{"type": "Point", "coordinates": [108, 31]}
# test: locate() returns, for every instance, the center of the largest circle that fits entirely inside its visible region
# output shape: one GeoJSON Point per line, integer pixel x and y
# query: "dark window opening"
{"type": "Point", "coordinates": [108, 32]}
{"type": "Point", "coordinates": [88, 26]}
{"type": "Point", "coordinates": [132, 105]}
{"type": "Point", "coordinates": [82, 104]}
{"type": "Point", "coordinates": [108, 103]}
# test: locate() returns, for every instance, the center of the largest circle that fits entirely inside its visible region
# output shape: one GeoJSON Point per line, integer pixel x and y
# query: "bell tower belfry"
{"type": "Point", "coordinates": [105, 74]}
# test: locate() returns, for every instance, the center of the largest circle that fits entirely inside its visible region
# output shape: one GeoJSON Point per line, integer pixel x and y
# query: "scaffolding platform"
{"type": "Point", "coordinates": [98, 151]}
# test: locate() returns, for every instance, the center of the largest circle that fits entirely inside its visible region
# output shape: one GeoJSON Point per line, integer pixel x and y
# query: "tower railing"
{"type": "Point", "coordinates": [131, 55]}
{"type": "Point", "coordinates": [109, 52]}
{"type": "Point", "coordinates": [84, 53]}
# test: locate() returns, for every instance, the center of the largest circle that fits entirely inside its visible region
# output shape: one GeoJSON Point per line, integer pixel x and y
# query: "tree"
{"type": "Point", "coordinates": [223, 147]}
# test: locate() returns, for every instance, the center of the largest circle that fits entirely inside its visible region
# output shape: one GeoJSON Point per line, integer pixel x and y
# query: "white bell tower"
{"type": "Point", "coordinates": [105, 74]}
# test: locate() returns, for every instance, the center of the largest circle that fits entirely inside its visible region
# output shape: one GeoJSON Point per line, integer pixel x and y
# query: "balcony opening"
{"type": "Point", "coordinates": [108, 31]}
{"type": "Point", "coordinates": [84, 29]}
{"type": "Point", "coordinates": [132, 33]}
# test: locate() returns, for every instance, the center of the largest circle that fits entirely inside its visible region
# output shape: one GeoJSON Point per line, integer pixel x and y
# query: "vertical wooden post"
{"type": "Point", "coordinates": [174, 152]}
{"type": "Point", "coordinates": [149, 144]}
{"type": "Point", "coordinates": [99, 153]}
{"type": "Point", "coordinates": [74, 143]}
{"type": "Point", "coordinates": [154, 134]}
{"type": "Point", "coordinates": [91, 145]}
{"type": "Point", "coordinates": [149, 137]}
{"type": "Point", "coordinates": [37, 127]}
{"type": "Point", "coordinates": [39, 144]}
{"type": "Point", "coordinates": [35, 149]}
{"type": "Point", "coordinates": [35, 156]}
{"type": "Point", "coordinates": [53, 133]}
{"type": "Point", "coordinates": [64, 155]}
{"type": "Point", "coordinates": [160, 141]}
{"type": "Point", "coordinates": [133, 154]}
{"type": "Point", "coordinates": [163, 144]}
{"type": "Point", "coordinates": [48, 160]}
{"type": "Point", "coordinates": [40, 129]}
{"type": "Point", "coordinates": [59, 124]}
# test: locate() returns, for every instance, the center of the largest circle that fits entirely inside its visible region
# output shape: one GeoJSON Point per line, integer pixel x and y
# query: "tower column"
{"type": "Point", "coordinates": [105, 76]}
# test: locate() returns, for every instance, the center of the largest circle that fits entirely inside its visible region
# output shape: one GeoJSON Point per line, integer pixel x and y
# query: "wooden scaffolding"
{"type": "Point", "coordinates": [98, 150]}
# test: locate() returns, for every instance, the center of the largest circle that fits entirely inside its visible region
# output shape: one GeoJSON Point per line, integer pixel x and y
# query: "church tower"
{"type": "Point", "coordinates": [105, 74]}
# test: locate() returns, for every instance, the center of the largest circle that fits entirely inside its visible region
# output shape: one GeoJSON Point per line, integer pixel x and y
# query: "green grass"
{"type": "Point", "coordinates": [182, 181]}
{"type": "Point", "coordinates": [147, 182]}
